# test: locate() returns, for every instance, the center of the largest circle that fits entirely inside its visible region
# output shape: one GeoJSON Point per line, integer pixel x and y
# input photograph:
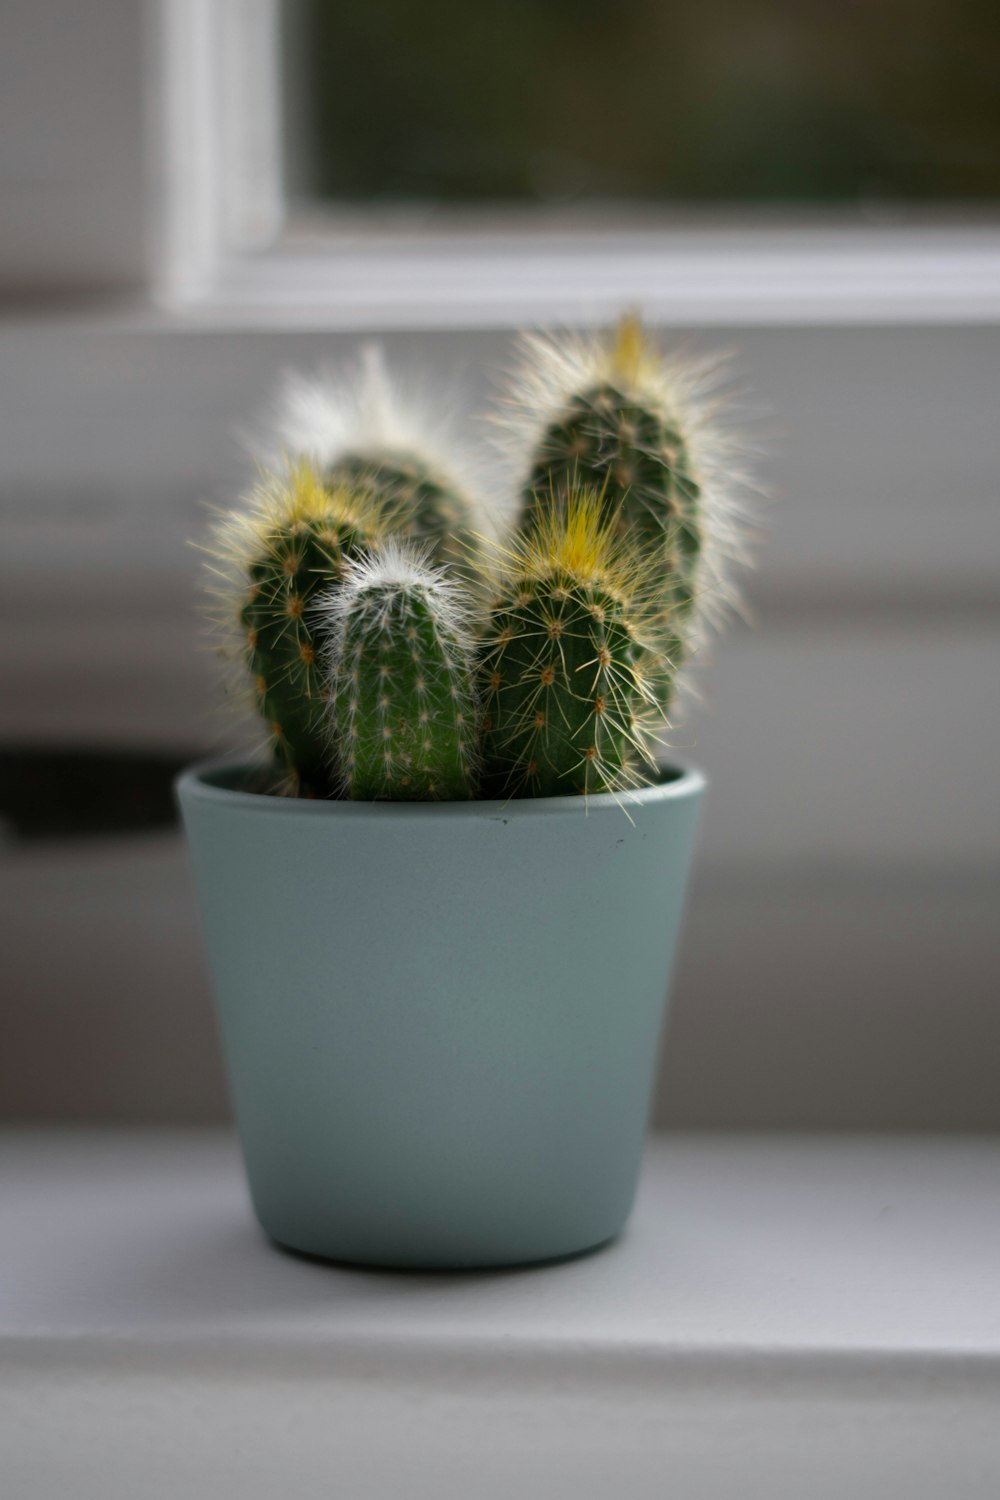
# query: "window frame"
{"type": "Point", "coordinates": [232, 251]}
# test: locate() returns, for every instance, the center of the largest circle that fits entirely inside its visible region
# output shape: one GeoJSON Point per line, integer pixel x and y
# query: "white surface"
{"type": "Point", "coordinates": [800, 1317]}
{"type": "Point", "coordinates": [73, 189]}
{"type": "Point", "coordinates": [740, 273]}
{"type": "Point", "coordinates": [214, 78]}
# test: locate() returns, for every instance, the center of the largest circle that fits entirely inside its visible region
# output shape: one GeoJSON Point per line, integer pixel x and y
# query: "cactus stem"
{"type": "Point", "coordinates": [562, 664]}
{"type": "Point", "coordinates": [400, 660]}
{"type": "Point", "coordinates": [266, 562]}
{"type": "Point", "coordinates": [651, 429]}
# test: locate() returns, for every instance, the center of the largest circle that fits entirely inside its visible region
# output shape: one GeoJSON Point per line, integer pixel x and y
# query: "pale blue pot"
{"type": "Point", "coordinates": [440, 1021]}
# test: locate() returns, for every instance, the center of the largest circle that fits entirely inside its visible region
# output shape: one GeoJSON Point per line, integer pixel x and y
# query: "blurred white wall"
{"type": "Point", "coordinates": [841, 965]}
{"type": "Point", "coordinates": [73, 147]}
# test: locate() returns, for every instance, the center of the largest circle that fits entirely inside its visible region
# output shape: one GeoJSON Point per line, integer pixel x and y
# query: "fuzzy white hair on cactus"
{"type": "Point", "coordinates": [322, 415]}
{"type": "Point", "coordinates": [396, 566]}
{"type": "Point", "coordinates": [330, 412]}
{"type": "Point", "coordinates": [360, 426]}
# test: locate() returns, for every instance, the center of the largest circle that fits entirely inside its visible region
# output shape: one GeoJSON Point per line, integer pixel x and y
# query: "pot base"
{"type": "Point", "coordinates": [408, 1265]}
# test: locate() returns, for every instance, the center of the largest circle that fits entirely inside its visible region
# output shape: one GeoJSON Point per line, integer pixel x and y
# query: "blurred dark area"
{"type": "Point", "coordinates": [544, 101]}
{"type": "Point", "coordinates": [59, 792]}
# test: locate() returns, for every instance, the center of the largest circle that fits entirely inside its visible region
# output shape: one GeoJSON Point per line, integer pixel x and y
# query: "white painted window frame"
{"type": "Point", "coordinates": [167, 192]}
{"type": "Point", "coordinates": [225, 259]}
{"type": "Point", "coordinates": [215, 90]}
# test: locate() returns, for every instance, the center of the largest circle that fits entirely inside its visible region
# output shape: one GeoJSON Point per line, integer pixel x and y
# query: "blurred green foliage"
{"type": "Point", "coordinates": [559, 102]}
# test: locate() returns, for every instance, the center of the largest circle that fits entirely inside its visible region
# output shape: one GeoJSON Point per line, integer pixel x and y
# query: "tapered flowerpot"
{"type": "Point", "coordinates": [440, 1021]}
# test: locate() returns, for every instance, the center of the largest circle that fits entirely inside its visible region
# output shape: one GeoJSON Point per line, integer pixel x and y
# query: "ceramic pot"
{"type": "Point", "coordinates": [440, 1021]}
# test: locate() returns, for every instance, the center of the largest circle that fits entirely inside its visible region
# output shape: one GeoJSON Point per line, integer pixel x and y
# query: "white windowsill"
{"type": "Point", "coordinates": [369, 279]}
{"type": "Point", "coordinates": [361, 278]}
{"type": "Point", "coordinates": [784, 1316]}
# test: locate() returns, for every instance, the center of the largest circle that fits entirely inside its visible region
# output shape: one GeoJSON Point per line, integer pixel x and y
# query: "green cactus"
{"type": "Point", "coordinates": [564, 667]}
{"type": "Point", "coordinates": [615, 428]}
{"type": "Point", "coordinates": [639, 463]}
{"type": "Point", "coordinates": [400, 664]}
{"type": "Point", "coordinates": [276, 557]}
{"type": "Point", "coordinates": [359, 427]}
{"type": "Point", "coordinates": [630, 523]}
{"type": "Point", "coordinates": [419, 504]}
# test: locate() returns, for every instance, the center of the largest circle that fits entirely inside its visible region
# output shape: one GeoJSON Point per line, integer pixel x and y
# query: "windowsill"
{"type": "Point", "coordinates": [767, 1292]}
{"type": "Point", "coordinates": [365, 275]}
{"type": "Point", "coordinates": [687, 275]}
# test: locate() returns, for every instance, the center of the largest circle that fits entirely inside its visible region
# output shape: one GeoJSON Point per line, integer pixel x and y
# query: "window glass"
{"type": "Point", "coordinates": [655, 101]}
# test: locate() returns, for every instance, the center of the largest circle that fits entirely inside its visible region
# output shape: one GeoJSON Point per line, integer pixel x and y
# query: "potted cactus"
{"type": "Point", "coordinates": [441, 903]}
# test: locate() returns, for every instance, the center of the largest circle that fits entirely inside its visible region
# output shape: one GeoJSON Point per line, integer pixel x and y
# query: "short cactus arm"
{"type": "Point", "coordinates": [563, 699]}
{"type": "Point", "coordinates": [563, 666]}
{"type": "Point", "coordinates": [289, 545]}
{"type": "Point", "coordinates": [400, 663]}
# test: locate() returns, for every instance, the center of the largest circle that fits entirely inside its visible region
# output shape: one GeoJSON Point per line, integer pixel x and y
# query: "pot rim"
{"type": "Point", "coordinates": [199, 783]}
